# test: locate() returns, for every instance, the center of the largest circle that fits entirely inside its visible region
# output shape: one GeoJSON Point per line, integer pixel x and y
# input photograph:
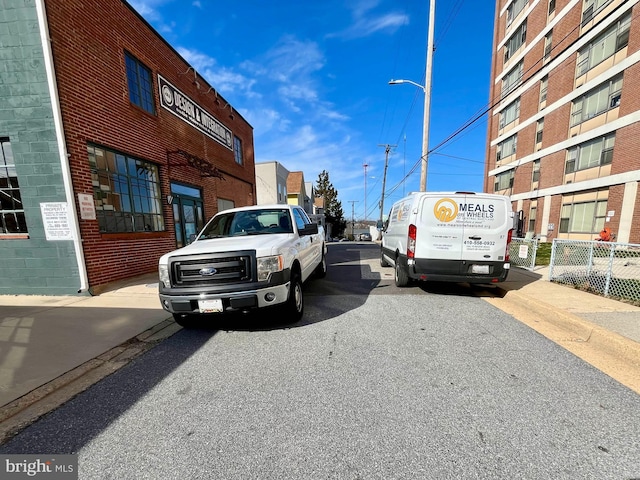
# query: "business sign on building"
{"type": "Point", "coordinates": [190, 112]}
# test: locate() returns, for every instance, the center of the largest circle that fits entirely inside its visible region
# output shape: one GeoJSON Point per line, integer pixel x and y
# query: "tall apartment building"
{"type": "Point", "coordinates": [113, 149]}
{"type": "Point", "coordinates": [564, 124]}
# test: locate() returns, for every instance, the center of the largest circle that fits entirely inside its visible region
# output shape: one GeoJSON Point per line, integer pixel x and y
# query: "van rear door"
{"type": "Point", "coordinates": [463, 227]}
{"type": "Point", "coordinates": [487, 221]}
{"type": "Point", "coordinates": [439, 234]}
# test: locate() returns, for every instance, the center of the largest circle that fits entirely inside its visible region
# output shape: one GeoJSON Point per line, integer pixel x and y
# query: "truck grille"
{"type": "Point", "coordinates": [212, 270]}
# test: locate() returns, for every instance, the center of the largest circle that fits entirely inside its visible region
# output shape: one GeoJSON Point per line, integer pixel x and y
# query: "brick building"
{"type": "Point", "coordinates": [564, 126]}
{"type": "Point", "coordinates": [114, 149]}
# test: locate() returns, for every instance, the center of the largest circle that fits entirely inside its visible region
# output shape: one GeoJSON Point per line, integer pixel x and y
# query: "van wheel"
{"type": "Point", "coordinates": [383, 261]}
{"type": "Point", "coordinates": [294, 306]}
{"type": "Point", "coordinates": [401, 276]}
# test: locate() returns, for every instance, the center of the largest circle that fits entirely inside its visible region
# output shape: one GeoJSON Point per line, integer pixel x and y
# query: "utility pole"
{"type": "Point", "coordinates": [365, 165]}
{"type": "Point", "coordinates": [353, 218]}
{"type": "Point", "coordinates": [427, 96]}
{"type": "Point", "coordinates": [387, 149]}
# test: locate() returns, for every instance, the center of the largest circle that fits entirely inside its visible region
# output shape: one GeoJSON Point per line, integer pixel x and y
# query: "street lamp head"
{"type": "Point", "coordinates": [395, 82]}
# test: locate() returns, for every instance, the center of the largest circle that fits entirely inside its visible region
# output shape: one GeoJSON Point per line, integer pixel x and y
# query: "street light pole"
{"type": "Point", "coordinates": [427, 95]}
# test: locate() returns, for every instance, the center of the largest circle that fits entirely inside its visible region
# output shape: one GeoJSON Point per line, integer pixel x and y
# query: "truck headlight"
{"type": "Point", "coordinates": [163, 273]}
{"type": "Point", "coordinates": [269, 265]}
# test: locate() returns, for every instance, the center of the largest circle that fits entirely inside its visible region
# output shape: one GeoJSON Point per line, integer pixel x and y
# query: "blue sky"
{"type": "Point", "coordinates": [311, 77]}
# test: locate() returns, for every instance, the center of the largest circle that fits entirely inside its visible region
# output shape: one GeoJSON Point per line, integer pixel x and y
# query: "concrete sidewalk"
{"type": "Point", "coordinates": [533, 287]}
{"type": "Point", "coordinates": [52, 348]}
{"type": "Point", "coordinates": [45, 338]}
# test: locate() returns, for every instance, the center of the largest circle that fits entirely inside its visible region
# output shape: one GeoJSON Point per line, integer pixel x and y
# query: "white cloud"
{"type": "Point", "coordinates": [366, 23]}
{"type": "Point", "coordinates": [265, 120]}
{"type": "Point", "coordinates": [291, 59]}
{"type": "Point", "coordinates": [223, 80]}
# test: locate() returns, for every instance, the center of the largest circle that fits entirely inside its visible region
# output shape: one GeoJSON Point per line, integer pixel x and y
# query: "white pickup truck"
{"type": "Point", "coordinates": [244, 258]}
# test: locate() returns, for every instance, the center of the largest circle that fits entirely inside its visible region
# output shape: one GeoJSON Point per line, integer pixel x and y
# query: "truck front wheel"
{"type": "Point", "coordinates": [294, 306]}
{"type": "Point", "coordinates": [186, 320]}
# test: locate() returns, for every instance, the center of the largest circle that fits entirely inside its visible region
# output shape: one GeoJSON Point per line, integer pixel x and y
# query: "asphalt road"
{"type": "Point", "coordinates": [375, 382]}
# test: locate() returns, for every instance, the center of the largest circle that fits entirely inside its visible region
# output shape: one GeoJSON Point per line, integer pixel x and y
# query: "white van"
{"type": "Point", "coordinates": [449, 237]}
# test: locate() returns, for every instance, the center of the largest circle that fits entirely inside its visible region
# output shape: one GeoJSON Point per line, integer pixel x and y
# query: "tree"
{"type": "Point", "coordinates": [332, 206]}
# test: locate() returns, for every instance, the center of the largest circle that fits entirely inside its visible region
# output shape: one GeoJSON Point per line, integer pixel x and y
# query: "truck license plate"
{"type": "Point", "coordinates": [480, 269]}
{"type": "Point", "coordinates": [210, 306]}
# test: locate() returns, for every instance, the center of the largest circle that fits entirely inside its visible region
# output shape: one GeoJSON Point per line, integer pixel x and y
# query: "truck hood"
{"type": "Point", "coordinates": [264, 245]}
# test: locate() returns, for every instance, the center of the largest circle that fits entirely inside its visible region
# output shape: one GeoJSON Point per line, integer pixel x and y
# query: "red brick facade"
{"type": "Point", "coordinates": [571, 31]}
{"type": "Point", "coordinates": [89, 41]}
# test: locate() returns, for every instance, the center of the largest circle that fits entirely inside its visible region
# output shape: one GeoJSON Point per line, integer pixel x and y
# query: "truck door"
{"type": "Point", "coordinates": [304, 243]}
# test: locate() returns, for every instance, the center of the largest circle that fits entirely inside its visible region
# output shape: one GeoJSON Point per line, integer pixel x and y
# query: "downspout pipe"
{"type": "Point", "coordinates": [62, 147]}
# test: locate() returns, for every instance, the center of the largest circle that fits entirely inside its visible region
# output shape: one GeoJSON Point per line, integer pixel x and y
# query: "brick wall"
{"type": "Point", "coordinates": [89, 40]}
{"type": "Point", "coordinates": [561, 81]}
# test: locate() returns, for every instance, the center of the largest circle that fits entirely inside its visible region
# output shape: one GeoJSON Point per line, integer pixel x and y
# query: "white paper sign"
{"type": "Point", "coordinates": [55, 218]}
{"type": "Point", "coordinates": [87, 206]}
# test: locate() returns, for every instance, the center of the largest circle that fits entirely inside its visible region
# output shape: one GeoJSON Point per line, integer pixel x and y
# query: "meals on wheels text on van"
{"type": "Point", "coordinates": [449, 236]}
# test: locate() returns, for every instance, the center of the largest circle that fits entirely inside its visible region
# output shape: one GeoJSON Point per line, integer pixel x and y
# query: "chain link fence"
{"type": "Point", "coordinates": [522, 252]}
{"type": "Point", "coordinates": [607, 268]}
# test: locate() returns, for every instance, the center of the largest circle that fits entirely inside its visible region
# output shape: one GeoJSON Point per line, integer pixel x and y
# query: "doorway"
{"type": "Point", "coordinates": [188, 212]}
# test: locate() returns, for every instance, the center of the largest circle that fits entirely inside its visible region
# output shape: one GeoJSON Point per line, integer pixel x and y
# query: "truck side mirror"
{"type": "Point", "coordinates": [309, 229]}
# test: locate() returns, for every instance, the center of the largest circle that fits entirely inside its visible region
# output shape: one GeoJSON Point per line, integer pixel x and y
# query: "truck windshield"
{"type": "Point", "coordinates": [248, 222]}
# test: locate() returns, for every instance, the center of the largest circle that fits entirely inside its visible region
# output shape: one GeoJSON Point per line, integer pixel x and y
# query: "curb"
{"type": "Point", "coordinates": [609, 352]}
{"type": "Point", "coordinates": [22, 412]}
{"type": "Point", "coordinates": [587, 332]}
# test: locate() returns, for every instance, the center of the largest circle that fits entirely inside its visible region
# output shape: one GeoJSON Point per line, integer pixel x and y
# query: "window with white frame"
{"type": "Point", "coordinates": [514, 9]}
{"type": "Point", "coordinates": [535, 174]}
{"type": "Point", "coordinates": [591, 8]}
{"type": "Point", "coordinates": [552, 6]}
{"type": "Point", "coordinates": [507, 147]}
{"type": "Point", "coordinates": [548, 40]}
{"type": "Point", "coordinates": [615, 38]}
{"type": "Point", "coordinates": [584, 217]}
{"type": "Point", "coordinates": [532, 219]}
{"type": "Point", "coordinates": [503, 180]}
{"type": "Point", "coordinates": [539, 130]}
{"type": "Point", "coordinates": [604, 97]}
{"type": "Point", "coordinates": [593, 153]}
{"type": "Point", "coordinates": [513, 78]}
{"type": "Point", "coordinates": [510, 114]}
{"type": "Point", "coordinates": [515, 41]}
{"type": "Point", "coordinates": [12, 220]}
{"type": "Point", "coordinates": [544, 85]}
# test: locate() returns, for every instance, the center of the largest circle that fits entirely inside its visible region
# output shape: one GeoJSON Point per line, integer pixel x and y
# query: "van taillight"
{"type": "Point", "coordinates": [506, 254]}
{"type": "Point", "coordinates": [411, 241]}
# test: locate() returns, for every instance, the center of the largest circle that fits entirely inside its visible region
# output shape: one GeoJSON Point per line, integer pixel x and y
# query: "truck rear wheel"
{"type": "Point", "coordinates": [294, 306]}
{"type": "Point", "coordinates": [401, 275]}
{"type": "Point", "coordinates": [321, 269]}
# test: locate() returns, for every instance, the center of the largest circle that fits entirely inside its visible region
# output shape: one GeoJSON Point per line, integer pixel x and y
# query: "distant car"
{"type": "Point", "coordinates": [365, 237]}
